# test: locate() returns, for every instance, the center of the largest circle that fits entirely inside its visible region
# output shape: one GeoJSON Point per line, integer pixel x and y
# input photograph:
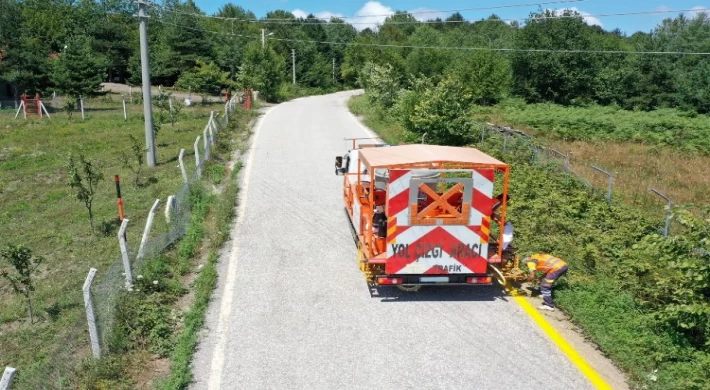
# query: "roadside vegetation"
{"type": "Point", "coordinates": [41, 212]}
{"type": "Point", "coordinates": [641, 297]}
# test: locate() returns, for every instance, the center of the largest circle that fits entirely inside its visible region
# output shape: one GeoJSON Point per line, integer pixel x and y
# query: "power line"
{"type": "Point", "coordinates": [382, 45]}
{"type": "Point", "coordinates": [574, 16]}
{"type": "Point", "coordinates": [267, 20]}
{"type": "Point", "coordinates": [563, 51]}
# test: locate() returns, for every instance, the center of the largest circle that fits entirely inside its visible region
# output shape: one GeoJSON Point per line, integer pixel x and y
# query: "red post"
{"type": "Point", "coordinates": [39, 106]}
{"type": "Point", "coordinates": [118, 195]}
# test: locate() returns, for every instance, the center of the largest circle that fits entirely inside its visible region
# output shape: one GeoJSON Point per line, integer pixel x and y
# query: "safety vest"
{"type": "Point", "coordinates": [546, 263]}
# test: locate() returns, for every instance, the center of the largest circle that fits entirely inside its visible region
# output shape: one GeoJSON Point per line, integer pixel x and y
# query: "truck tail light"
{"type": "Point", "coordinates": [479, 280]}
{"type": "Point", "coordinates": [384, 280]}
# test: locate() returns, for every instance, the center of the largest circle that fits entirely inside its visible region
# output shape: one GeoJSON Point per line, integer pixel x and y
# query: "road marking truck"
{"type": "Point", "coordinates": [427, 215]}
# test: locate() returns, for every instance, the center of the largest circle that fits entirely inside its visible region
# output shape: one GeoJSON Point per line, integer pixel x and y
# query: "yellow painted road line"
{"type": "Point", "coordinates": [561, 343]}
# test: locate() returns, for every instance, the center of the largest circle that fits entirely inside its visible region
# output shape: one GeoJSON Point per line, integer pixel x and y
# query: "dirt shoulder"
{"type": "Point", "coordinates": [123, 88]}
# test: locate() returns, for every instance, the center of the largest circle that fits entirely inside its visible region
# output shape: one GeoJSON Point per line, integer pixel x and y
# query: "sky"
{"type": "Point", "coordinates": [368, 13]}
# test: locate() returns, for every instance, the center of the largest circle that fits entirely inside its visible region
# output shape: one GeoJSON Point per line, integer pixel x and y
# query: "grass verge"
{"type": "Point", "coordinates": [180, 372]}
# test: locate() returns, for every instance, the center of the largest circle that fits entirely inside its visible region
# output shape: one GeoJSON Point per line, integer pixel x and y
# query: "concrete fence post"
{"type": "Point", "coordinates": [206, 143]}
{"type": "Point", "coordinates": [182, 164]}
{"type": "Point", "coordinates": [7, 376]}
{"type": "Point", "coordinates": [124, 253]}
{"type": "Point", "coordinates": [198, 163]}
{"type": "Point", "coordinates": [146, 230]}
{"type": "Point", "coordinates": [81, 103]}
{"type": "Point", "coordinates": [125, 114]}
{"type": "Point", "coordinates": [90, 317]}
{"type": "Point", "coordinates": [169, 208]}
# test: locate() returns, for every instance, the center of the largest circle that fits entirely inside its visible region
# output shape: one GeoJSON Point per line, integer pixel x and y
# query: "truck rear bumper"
{"type": "Point", "coordinates": [438, 280]}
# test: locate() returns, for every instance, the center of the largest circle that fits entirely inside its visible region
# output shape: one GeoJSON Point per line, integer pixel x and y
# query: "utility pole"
{"type": "Point", "coordinates": [263, 39]}
{"type": "Point", "coordinates": [293, 58]}
{"type": "Point", "coordinates": [145, 68]}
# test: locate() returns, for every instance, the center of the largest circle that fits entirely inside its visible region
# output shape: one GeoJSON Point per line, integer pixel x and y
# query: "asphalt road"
{"type": "Point", "coordinates": [292, 309]}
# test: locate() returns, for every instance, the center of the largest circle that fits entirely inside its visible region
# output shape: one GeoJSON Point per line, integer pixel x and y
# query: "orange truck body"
{"type": "Point", "coordinates": [426, 214]}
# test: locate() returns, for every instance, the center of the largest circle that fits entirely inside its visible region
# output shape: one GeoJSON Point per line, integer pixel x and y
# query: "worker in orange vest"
{"type": "Point", "coordinates": [553, 268]}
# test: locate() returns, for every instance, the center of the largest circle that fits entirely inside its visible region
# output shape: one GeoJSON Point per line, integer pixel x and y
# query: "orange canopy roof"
{"type": "Point", "coordinates": [422, 155]}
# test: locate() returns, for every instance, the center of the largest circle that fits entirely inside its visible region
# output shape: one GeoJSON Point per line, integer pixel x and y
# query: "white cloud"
{"type": "Point", "coordinates": [325, 15]}
{"type": "Point", "coordinates": [663, 8]}
{"type": "Point", "coordinates": [371, 14]}
{"type": "Point", "coordinates": [299, 13]}
{"type": "Point", "coordinates": [590, 20]}
{"type": "Point", "coordinates": [696, 11]}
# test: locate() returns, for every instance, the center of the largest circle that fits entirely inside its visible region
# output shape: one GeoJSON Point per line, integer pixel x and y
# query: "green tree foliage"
{"type": "Point", "coordinates": [555, 77]}
{"type": "Point", "coordinates": [25, 266]}
{"type": "Point", "coordinates": [205, 77]}
{"type": "Point", "coordinates": [441, 115]}
{"type": "Point", "coordinates": [486, 74]}
{"type": "Point", "coordinates": [381, 83]}
{"type": "Point", "coordinates": [262, 70]}
{"type": "Point", "coordinates": [77, 71]}
{"type": "Point", "coordinates": [84, 179]}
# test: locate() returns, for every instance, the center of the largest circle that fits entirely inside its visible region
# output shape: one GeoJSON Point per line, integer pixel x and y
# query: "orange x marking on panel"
{"type": "Point", "coordinates": [442, 200]}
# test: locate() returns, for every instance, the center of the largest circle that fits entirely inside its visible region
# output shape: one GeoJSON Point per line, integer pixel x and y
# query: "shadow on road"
{"type": "Point", "coordinates": [440, 293]}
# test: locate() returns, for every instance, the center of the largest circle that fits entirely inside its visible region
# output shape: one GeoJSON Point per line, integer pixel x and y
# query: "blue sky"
{"type": "Point", "coordinates": [366, 10]}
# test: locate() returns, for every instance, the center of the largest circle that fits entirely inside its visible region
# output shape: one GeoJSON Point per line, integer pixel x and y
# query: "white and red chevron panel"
{"type": "Point", "coordinates": [438, 249]}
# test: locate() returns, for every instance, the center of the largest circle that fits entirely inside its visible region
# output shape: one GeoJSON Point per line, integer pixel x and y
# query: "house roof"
{"type": "Point", "coordinates": [422, 155]}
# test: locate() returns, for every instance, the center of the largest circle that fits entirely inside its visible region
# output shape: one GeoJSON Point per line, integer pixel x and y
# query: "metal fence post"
{"type": "Point", "coordinates": [146, 230]}
{"type": "Point", "coordinates": [566, 157]}
{"type": "Point", "coordinates": [198, 163]}
{"type": "Point", "coordinates": [611, 179]}
{"type": "Point", "coordinates": [90, 317]}
{"type": "Point", "coordinates": [505, 142]}
{"type": "Point", "coordinates": [124, 253]}
{"type": "Point", "coordinates": [182, 164]}
{"type": "Point", "coordinates": [7, 376]}
{"type": "Point", "coordinates": [669, 214]}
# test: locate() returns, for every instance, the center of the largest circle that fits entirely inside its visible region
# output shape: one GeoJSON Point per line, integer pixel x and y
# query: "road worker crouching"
{"type": "Point", "coordinates": [553, 268]}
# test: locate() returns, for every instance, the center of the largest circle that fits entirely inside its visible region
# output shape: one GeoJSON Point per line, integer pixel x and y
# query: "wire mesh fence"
{"type": "Point", "coordinates": [57, 370]}
{"type": "Point", "coordinates": [177, 218]}
{"type": "Point", "coordinates": [520, 146]}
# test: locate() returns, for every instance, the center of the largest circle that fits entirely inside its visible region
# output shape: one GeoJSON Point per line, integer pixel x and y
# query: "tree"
{"type": "Point", "coordinates": [427, 62]}
{"type": "Point", "coordinates": [442, 114]}
{"type": "Point", "coordinates": [84, 182]}
{"type": "Point", "coordinates": [381, 84]}
{"type": "Point", "coordinates": [486, 74]}
{"type": "Point", "coordinates": [138, 153]}
{"type": "Point", "coordinates": [556, 77]}
{"type": "Point", "coordinates": [205, 77]}
{"type": "Point", "coordinates": [79, 71]}
{"type": "Point", "coordinates": [262, 70]}
{"type": "Point", "coordinates": [25, 266]}
{"type": "Point", "coordinates": [185, 38]}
